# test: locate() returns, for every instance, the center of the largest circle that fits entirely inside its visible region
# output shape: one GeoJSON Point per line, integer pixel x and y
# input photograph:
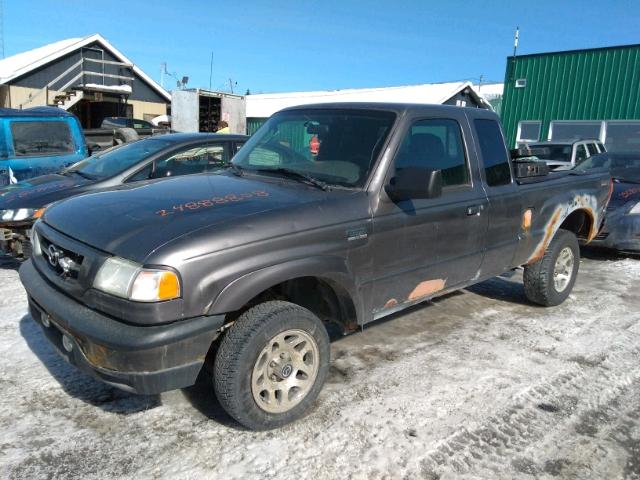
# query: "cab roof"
{"type": "Point", "coordinates": [35, 112]}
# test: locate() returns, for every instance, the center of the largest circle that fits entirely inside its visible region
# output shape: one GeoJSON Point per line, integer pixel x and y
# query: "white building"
{"type": "Point", "coordinates": [262, 106]}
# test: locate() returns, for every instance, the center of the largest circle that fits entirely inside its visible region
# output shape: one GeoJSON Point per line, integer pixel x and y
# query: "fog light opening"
{"type": "Point", "coordinates": [67, 343]}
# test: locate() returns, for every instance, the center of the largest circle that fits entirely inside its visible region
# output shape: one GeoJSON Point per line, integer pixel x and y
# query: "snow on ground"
{"type": "Point", "coordinates": [479, 384]}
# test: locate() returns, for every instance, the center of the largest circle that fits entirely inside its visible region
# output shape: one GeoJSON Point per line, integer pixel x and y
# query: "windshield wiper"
{"type": "Point", "coordinates": [237, 169]}
{"type": "Point", "coordinates": [295, 175]}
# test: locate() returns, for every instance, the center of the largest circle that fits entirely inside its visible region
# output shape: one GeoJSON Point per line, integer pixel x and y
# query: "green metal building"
{"type": "Point", "coordinates": [592, 93]}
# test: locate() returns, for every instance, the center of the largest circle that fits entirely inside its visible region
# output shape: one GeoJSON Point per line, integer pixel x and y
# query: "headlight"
{"type": "Point", "coordinates": [126, 279]}
{"type": "Point", "coordinates": [35, 240]}
{"type": "Point", "coordinates": [635, 210]}
{"type": "Point", "coordinates": [19, 214]}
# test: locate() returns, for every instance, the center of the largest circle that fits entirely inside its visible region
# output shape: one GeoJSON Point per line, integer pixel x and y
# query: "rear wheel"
{"type": "Point", "coordinates": [550, 280]}
{"type": "Point", "coordinates": [271, 365]}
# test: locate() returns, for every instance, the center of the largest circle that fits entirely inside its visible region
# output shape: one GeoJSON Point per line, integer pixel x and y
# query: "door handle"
{"type": "Point", "coordinates": [473, 210]}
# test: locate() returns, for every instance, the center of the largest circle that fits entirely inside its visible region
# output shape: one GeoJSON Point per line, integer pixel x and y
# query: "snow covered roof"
{"type": "Point", "coordinates": [108, 88]}
{"type": "Point", "coordinates": [490, 90]}
{"type": "Point", "coordinates": [22, 63]}
{"type": "Point", "coordinates": [265, 105]}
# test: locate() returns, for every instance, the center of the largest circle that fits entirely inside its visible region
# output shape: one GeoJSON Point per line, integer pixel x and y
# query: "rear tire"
{"type": "Point", "coordinates": [271, 365]}
{"type": "Point", "coordinates": [549, 281]}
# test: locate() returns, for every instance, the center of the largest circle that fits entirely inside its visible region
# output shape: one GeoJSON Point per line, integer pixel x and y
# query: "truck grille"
{"type": "Point", "coordinates": [61, 260]}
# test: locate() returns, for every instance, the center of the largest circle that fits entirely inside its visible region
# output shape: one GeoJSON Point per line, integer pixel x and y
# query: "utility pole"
{"type": "Point", "coordinates": [1, 29]}
{"type": "Point", "coordinates": [211, 70]}
{"type": "Point", "coordinates": [163, 71]}
{"type": "Point", "coordinates": [231, 85]}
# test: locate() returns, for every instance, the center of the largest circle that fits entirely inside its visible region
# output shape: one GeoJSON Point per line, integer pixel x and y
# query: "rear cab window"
{"type": "Point", "coordinates": [41, 138]}
{"type": "Point", "coordinates": [494, 153]}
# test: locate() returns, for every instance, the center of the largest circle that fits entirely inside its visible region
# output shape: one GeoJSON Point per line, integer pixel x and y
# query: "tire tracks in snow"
{"type": "Point", "coordinates": [578, 392]}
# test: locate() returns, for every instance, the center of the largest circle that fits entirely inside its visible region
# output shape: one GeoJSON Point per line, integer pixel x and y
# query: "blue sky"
{"type": "Point", "coordinates": [288, 45]}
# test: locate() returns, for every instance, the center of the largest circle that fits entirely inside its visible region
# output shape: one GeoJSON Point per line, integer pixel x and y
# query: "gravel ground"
{"type": "Point", "coordinates": [479, 384]}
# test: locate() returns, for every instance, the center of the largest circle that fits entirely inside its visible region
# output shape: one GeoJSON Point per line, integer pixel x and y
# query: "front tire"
{"type": "Point", "coordinates": [549, 281]}
{"type": "Point", "coordinates": [271, 365]}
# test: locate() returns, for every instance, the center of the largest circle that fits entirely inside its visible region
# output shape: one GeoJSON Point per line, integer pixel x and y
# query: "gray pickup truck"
{"type": "Point", "coordinates": [119, 130]}
{"type": "Point", "coordinates": [336, 214]}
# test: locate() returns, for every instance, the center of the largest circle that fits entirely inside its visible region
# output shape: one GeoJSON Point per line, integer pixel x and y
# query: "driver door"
{"type": "Point", "coordinates": [425, 246]}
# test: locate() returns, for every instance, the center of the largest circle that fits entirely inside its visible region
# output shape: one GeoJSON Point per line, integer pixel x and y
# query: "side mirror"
{"type": "Point", "coordinates": [415, 183]}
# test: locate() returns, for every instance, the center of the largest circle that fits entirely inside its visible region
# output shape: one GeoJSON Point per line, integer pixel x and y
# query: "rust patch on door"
{"type": "Point", "coordinates": [426, 288]}
{"type": "Point", "coordinates": [390, 303]}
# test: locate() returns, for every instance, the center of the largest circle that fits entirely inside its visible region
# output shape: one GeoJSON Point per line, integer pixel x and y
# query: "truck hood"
{"type": "Point", "coordinates": [40, 191]}
{"type": "Point", "coordinates": [133, 221]}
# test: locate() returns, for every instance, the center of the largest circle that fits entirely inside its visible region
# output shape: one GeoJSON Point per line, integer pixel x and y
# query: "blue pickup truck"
{"type": "Point", "coordinates": [37, 141]}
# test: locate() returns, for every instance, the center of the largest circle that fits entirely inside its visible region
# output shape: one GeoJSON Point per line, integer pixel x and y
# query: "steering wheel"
{"type": "Point", "coordinates": [287, 154]}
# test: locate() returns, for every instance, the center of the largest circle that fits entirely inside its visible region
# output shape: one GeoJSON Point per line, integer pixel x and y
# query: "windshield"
{"type": "Point", "coordinates": [337, 147]}
{"type": "Point", "coordinates": [116, 160]}
{"type": "Point", "coordinates": [552, 152]}
{"type": "Point", "coordinates": [626, 167]}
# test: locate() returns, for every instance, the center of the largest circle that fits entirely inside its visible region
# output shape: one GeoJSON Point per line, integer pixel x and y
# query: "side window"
{"type": "Point", "coordinates": [494, 153]}
{"type": "Point", "coordinates": [436, 144]}
{"type": "Point", "coordinates": [581, 153]}
{"type": "Point", "coordinates": [143, 174]}
{"type": "Point", "coordinates": [194, 160]}
{"type": "Point", "coordinates": [601, 147]}
{"type": "Point", "coordinates": [591, 147]}
{"type": "Point", "coordinates": [137, 124]}
{"type": "Point", "coordinates": [41, 138]}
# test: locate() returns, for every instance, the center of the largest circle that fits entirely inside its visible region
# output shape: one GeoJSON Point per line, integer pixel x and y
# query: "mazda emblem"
{"type": "Point", "coordinates": [54, 255]}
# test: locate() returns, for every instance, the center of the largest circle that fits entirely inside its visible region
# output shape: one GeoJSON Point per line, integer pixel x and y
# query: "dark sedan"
{"type": "Point", "coordinates": [621, 229]}
{"type": "Point", "coordinates": [152, 158]}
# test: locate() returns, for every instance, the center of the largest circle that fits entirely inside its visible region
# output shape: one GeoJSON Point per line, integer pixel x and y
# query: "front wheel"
{"type": "Point", "coordinates": [271, 365]}
{"type": "Point", "coordinates": [549, 281]}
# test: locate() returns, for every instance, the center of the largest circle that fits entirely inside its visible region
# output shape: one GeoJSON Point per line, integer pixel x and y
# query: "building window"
{"type": "Point", "coordinates": [623, 136]}
{"type": "Point", "coordinates": [521, 83]}
{"type": "Point", "coordinates": [572, 130]}
{"type": "Point", "coordinates": [529, 131]}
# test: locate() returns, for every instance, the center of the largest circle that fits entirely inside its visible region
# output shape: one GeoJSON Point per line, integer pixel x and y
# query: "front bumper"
{"type": "Point", "coordinates": [140, 359]}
